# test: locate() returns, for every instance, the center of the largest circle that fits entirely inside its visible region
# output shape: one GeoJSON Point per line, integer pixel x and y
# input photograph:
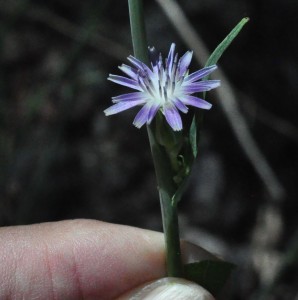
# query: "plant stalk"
{"type": "Point", "coordinates": [163, 169]}
{"type": "Point", "coordinates": [171, 234]}
{"type": "Point", "coordinates": [138, 31]}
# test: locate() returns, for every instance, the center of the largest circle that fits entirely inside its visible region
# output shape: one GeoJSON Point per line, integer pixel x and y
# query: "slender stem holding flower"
{"type": "Point", "coordinates": [167, 189]}
{"type": "Point", "coordinates": [164, 174]}
{"type": "Point", "coordinates": [171, 232]}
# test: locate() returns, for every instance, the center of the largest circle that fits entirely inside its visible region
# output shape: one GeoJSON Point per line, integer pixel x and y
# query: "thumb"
{"type": "Point", "coordinates": [175, 288]}
{"type": "Point", "coordinates": [169, 288]}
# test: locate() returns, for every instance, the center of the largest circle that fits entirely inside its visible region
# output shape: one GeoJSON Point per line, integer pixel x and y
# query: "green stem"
{"type": "Point", "coordinates": [167, 189]}
{"type": "Point", "coordinates": [171, 234]}
{"type": "Point", "coordinates": [138, 32]}
{"type": "Point", "coordinates": [163, 169]}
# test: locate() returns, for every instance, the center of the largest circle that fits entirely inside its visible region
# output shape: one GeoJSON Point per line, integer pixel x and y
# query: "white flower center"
{"type": "Point", "coordinates": [164, 83]}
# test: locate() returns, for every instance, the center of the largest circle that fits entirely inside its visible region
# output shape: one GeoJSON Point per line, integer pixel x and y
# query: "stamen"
{"type": "Point", "coordinates": [160, 90]}
{"type": "Point", "coordinates": [167, 81]}
{"type": "Point", "coordinates": [160, 60]}
{"type": "Point", "coordinates": [145, 82]}
{"type": "Point", "coordinates": [150, 88]}
{"type": "Point", "coordinates": [153, 55]}
{"type": "Point", "coordinates": [174, 66]}
{"type": "Point", "coordinates": [165, 94]}
{"type": "Point", "coordinates": [141, 82]}
{"type": "Point", "coordinates": [146, 77]}
{"type": "Point", "coordinates": [177, 71]}
{"type": "Point", "coordinates": [173, 86]}
{"type": "Point", "coordinates": [167, 67]}
{"type": "Point", "coordinates": [160, 73]}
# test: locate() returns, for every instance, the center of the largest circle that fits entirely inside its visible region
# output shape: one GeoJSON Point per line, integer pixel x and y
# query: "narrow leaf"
{"type": "Point", "coordinates": [212, 60]}
{"type": "Point", "coordinates": [220, 49]}
{"type": "Point", "coordinates": [210, 274]}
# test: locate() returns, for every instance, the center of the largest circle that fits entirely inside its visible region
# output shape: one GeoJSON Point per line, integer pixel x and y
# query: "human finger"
{"type": "Point", "coordinates": [78, 259]}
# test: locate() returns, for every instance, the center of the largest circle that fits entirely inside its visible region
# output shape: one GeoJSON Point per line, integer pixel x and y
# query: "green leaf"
{"type": "Point", "coordinates": [210, 274]}
{"type": "Point", "coordinates": [221, 48]}
{"type": "Point", "coordinates": [212, 60]}
{"type": "Point", "coordinates": [194, 132]}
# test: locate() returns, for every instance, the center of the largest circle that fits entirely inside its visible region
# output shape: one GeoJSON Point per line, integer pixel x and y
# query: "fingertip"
{"type": "Point", "coordinates": [168, 288]}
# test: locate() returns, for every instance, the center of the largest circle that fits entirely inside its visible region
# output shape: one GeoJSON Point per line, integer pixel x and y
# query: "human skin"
{"type": "Point", "coordinates": [77, 259]}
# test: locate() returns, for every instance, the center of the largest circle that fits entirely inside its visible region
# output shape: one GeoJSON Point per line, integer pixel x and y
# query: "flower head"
{"type": "Point", "coordinates": [166, 86]}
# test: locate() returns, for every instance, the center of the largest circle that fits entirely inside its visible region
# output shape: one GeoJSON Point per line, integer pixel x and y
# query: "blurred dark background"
{"type": "Point", "coordinates": [61, 158]}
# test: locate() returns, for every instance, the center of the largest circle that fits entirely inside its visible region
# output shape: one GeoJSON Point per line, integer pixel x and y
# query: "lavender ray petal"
{"type": "Point", "coordinates": [171, 58]}
{"type": "Point", "coordinates": [201, 86]}
{"type": "Point", "coordinates": [142, 116]}
{"type": "Point", "coordinates": [155, 72]}
{"type": "Point", "coordinates": [131, 72]}
{"type": "Point", "coordinates": [125, 82]}
{"type": "Point", "coordinates": [184, 62]}
{"type": "Point", "coordinates": [121, 106]}
{"type": "Point", "coordinates": [196, 102]}
{"type": "Point", "coordinates": [200, 74]}
{"type": "Point", "coordinates": [180, 105]}
{"type": "Point", "coordinates": [173, 117]}
{"type": "Point", "coordinates": [153, 110]}
{"type": "Point", "coordinates": [129, 97]}
{"type": "Point", "coordinates": [140, 65]}
{"type": "Point", "coordinates": [135, 62]}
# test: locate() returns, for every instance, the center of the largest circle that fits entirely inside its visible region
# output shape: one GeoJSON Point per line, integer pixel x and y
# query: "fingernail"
{"type": "Point", "coordinates": [169, 288]}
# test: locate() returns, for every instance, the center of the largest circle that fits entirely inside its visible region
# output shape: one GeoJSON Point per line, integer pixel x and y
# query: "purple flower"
{"type": "Point", "coordinates": [166, 86]}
